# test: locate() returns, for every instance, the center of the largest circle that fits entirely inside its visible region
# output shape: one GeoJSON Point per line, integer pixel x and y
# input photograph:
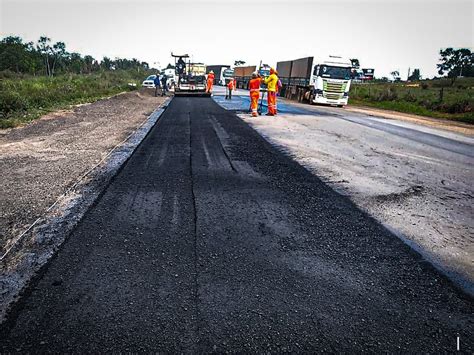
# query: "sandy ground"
{"type": "Point", "coordinates": [413, 174]}
{"type": "Point", "coordinates": [449, 125]}
{"type": "Point", "coordinates": [40, 161]}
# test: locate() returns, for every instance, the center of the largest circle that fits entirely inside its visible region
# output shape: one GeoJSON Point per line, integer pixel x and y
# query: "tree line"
{"type": "Point", "coordinates": [453, 63]}
{"type": "Point", "coordinates": [47, 58]}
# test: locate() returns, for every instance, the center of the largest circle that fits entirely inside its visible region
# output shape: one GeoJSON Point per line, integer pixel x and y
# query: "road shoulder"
{"type": "Point", "coordinates": [56, 210]}
{"type": "Point", "coordinates": [453, 126]}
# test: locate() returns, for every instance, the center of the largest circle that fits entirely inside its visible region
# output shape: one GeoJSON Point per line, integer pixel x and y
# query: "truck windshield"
{"type": "Point", "coordinates": [264, 72]}
{"type": "Point", "coordinates": [228, 73]}
{"type": "Point", "coordinates": [327, 71]}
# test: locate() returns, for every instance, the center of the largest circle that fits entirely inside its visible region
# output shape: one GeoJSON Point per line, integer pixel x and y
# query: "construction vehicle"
{"type": "Point", "coordinates": [316, 81]}
{"type": "Point", "coordinates": [243, 74]}
{"type": "Point", "coordinates": [191, 77]}
{"type": "Point", "coordinates": [218, 73]}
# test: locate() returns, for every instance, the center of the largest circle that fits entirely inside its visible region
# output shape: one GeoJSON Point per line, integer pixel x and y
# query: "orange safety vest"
{"type": "Point", "coordinates": [231, 85]}
{"type": "Point", "coordinates": [210, 77]}
{"type": "Point", "coordinates": [254, 85]}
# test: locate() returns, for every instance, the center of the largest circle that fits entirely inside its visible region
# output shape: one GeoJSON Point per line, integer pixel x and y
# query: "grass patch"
{"type": "Point", "coordinates": [23, 99]}
{"type": "Point", "coordinates": [432, 98]}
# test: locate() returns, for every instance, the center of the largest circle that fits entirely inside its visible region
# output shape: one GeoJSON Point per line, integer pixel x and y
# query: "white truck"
{"type": "Point", "coordinates": [324, 81]}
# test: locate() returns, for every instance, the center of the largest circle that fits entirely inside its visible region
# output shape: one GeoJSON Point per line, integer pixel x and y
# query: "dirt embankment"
{"type": "Point", "coordinates": [40, 161]}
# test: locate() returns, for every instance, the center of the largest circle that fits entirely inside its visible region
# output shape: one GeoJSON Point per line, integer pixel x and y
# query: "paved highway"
{"type": "Point", "coordinates": [410, 175]}
{"type": "Point", "coordinates": [211, 240]}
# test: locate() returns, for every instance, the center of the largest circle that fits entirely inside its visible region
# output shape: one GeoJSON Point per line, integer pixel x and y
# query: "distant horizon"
{"type": "Point", "coordinates": [385, 36]}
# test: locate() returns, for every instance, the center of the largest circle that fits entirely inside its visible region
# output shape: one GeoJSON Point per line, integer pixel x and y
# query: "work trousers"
{"type": "Point", "coordinates": [156, 90]}
{"type": "Point", "coordinates": [254, 96]}
{"type": "Point", "coordinates": [272, 103]}
{"type": "Point", "coordinates": [210, 83]}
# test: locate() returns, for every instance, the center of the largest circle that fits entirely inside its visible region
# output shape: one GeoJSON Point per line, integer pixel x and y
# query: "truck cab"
{"type": "Point", "coordinates": [227, 75]}
{"type": "Point", "coordinates": [330, 81]}
{"type": "Point", "coordinates": [264, 71]}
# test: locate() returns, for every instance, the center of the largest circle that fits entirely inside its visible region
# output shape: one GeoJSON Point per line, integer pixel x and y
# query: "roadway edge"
{"type": "Point", "coordinates": [33, 248]}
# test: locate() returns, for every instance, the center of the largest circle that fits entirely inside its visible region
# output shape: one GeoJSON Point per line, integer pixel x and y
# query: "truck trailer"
{"type": "Point", "coordinates": [243, 75]}
{"type": "Point", "coordinates": [317, 81]}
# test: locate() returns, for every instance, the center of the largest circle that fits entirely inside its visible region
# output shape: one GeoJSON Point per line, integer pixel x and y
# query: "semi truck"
{"type": "Point", "coordinates": [191, 76]}
{"type": "Point", "coordinates": [218, 73]}
{"type": "Point", "coordinates": [228, 75]}
{"type": "Point", "coordinates": [243, 75]}
{"type": "Point", "coordinates": [317, 81]}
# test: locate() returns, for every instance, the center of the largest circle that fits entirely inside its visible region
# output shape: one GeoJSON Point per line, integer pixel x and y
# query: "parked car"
{"type": "Point", "coordinates": [149, 82]}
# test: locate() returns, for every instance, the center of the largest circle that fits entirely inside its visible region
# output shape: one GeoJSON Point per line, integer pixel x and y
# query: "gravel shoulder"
{"type": "Point", "coordinates": [40, 161]}
{"type": "Point", "coordinates": [453, 126]}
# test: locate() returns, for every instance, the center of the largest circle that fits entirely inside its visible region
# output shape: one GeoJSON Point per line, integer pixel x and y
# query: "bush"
{"type": "Point", "coordinates": [11, 102]}
{"type": "Point", "coordinates": [25, 99]}
{"type": "Point", "coordinates": [456, 107]}
{"type": "Point", "coordinates": [455, 102]}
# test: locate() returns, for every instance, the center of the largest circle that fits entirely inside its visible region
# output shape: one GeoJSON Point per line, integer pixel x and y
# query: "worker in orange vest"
{"type": "Point", "coordinates": [210, 81]}
{"type": "Point", "coordinates": [272, 82]}
{"type": "Point", "coordinates": [230, 87]}
{"type": "Point", "coordinates": [254, 87]}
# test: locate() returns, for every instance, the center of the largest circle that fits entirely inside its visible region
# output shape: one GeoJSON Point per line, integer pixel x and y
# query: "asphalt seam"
{"type": "Point", "coordinates": [224, 151]}
{"type": "Point", "coordinates": [195, 217]}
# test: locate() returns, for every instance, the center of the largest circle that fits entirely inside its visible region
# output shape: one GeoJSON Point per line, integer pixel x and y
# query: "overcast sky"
{"type": "Point", "coordinates": [384, 34]}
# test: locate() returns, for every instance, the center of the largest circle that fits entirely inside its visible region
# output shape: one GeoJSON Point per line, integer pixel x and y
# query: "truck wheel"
{"type": "Point", "coordinates": [300, 95]}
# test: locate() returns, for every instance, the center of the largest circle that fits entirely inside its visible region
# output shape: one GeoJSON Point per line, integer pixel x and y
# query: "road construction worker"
{"type": "Point", "coordinates": [254, 87]}
{"type": "Point", "coordinates": [210, 81]}
{"type": "Point", "coordinates": [272, 82]}
{"type": "Point", "coordinates": [230, 87]}
{"type": "Point", "coordinates": [156, 81]}
{"type": "Point", "coordinates": [164, 88]}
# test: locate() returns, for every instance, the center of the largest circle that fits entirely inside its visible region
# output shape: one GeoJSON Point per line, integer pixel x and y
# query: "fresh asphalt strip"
{"type": "Point", "coordinates": [211, 240]}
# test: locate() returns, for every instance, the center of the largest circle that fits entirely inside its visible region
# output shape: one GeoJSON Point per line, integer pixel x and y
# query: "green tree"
{"type": "Point", "coordinates": [396, 75]}
{"type": "Point", "coordinates": [106, 63]}
{"type": "Point", "coordinates": [456, 62]}
{"type": "Point", "coordinates": [88, 63]}
{"type": "Point", "coordinates": [58, 54]}
{"type": "Point", "coordinates": [75, 63]}
{"type": "Point", "coordinates": [43, 47]}
{"type": "Point", "coordinates": [416, 75]}
{"type": "Point", "coordinates": [17, 56]}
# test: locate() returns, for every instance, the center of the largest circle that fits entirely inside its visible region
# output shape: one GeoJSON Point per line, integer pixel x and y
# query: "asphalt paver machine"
{"type": "Point", "coordinates": [191, 77]}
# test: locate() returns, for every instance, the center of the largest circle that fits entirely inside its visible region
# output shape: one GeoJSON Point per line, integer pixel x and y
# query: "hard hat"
{"type": "Point", "coordinates": [254, 74]}
{"type": "Point", "coordinates": [211, 72]}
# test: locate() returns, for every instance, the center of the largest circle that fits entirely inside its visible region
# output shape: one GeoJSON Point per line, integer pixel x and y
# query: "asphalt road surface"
{"type": "Point", "coordinates": [211, 240]}
{"type": "Point", "coordinates": [414, 178]}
